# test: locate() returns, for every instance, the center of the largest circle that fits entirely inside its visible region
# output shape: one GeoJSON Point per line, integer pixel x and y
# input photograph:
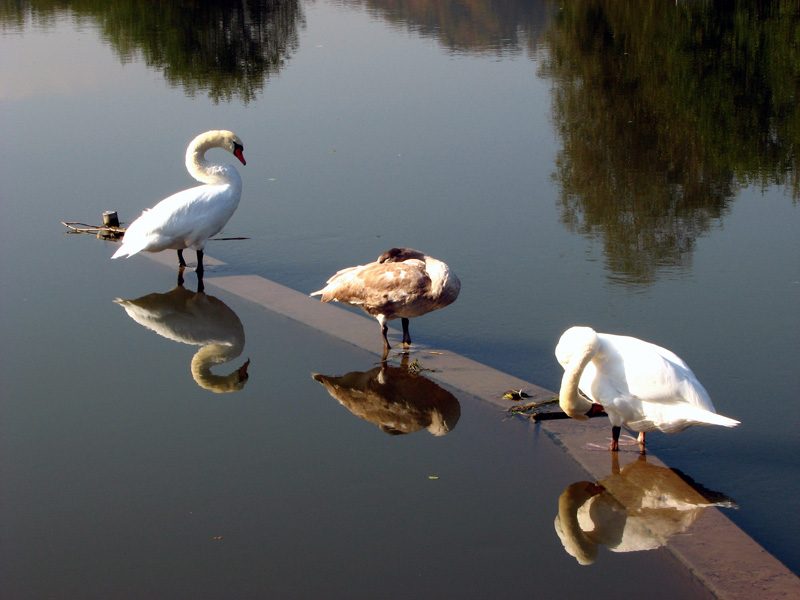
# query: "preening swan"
{"type": "Point", "coordinates": [402, 284]}
{"type": "Point", "coordinates": [639, 385]}
{"type": "Point", "coordinates": [187, 219]}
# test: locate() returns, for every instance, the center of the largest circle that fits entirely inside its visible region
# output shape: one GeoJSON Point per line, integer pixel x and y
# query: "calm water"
{"type": "Point", "coordinates": [572, 166]}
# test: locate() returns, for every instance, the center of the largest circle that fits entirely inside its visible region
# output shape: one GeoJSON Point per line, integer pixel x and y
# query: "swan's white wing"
{"type": "Point", "coordinates": [185, 219]}
{"type": "Point", "coordinates": [632, 367]}
{"type": "Point", "coordinates": [647, 387]}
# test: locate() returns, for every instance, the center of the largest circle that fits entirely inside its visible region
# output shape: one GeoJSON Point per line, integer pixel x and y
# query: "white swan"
{"type": "Point", "coordinates": [639, 385]}
{"type": "Point", "coordinates": [402, 284]}
{"type": "Point", "coordinates": [197, 319]}
{"type": "Point", "coordinates": [187, 219]}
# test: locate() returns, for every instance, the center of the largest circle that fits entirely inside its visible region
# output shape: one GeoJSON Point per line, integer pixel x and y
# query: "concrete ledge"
{"type": "Point", "coordinates": [730, 563]}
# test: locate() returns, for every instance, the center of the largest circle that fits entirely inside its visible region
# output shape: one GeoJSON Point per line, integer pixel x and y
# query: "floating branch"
{"type": "Point", "coordinates": [415, 368]}
{"type": "Point", "coordinates": [531, 410]}
{"type": "Point", "coordinates": [77, 227]}
{"type": "Point", "coordinates": [110, 230]}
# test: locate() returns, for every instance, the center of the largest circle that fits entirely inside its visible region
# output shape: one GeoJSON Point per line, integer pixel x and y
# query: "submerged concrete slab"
{"type": "Point", "coordinates": [724, 558]}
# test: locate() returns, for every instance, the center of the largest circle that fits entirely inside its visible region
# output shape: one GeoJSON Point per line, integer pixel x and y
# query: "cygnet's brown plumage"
{"type": "Point", "coordinates": [402, 284]}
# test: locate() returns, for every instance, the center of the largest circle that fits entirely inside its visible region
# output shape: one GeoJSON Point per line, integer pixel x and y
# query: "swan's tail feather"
{"type": "Point", "coordinates": [715, 419]}
{"type": "Point", "coordinates": [124, 252]}
{"type": "Point", "coordinates": [133, 245]}
{"type": "Point", "coordinates": [337, 288]}
{"type": "Point", "coordinates": [705, 417]}
{"type": "Point", "coordinates": [326, 294]}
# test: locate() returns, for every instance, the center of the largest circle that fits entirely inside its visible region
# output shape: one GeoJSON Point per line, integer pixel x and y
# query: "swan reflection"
{"type": "Point", "coordinates": [197, 319]}
{"type": "Point", "coordinates": [638, 507]}
{"type": "Point", "coordinates": [395, 399]}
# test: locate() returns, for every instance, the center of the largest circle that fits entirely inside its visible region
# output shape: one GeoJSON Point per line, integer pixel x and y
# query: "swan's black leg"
{"type": "Point", "coordinates": [180, 277]}
{"type": "Point", "coordinates": [406, 335]}
{"type": "Point", "coordinates": [200, 286]}
{"type": "Point", "coordinates": [199, 261]}
{"type": "Point", "coordinates": [386, 346]}
{"type": "Point", "coordinates": [615, 438]}
{"type": "Point", "coordinates": [181, 262]}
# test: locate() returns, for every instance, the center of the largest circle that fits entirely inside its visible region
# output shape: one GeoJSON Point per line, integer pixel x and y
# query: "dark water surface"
{"type": "Point", "coordinates": [574, 164]}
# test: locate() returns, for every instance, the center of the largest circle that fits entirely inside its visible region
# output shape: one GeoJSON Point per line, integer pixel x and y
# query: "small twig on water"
{"type": "Point", "coordinates": [531, 409]}
{"type": "Point", "coordinates": [415, 368]}
{"type": "Point", "coordinates": [77, 227]}
{"type": "Point", "coordinates": [515, 395]}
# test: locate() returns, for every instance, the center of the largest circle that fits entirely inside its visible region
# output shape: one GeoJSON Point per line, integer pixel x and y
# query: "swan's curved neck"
{"type": "Point", "coordinates": [574, 539]}
{"type": "Point", "coordinates": [211, 355]}
{"type": "Point", "coordinates": [205, 171]}
{"type": "Point", "coordinates": [569, 399]}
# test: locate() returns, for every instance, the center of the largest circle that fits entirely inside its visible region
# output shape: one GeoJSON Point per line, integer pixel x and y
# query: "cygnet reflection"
{"type": "Point", "coordinates": [198, 319]}
{"type": "Point", "coordinates": [638, 507]}
{"type": "Point", "coordinates": [395, 399]}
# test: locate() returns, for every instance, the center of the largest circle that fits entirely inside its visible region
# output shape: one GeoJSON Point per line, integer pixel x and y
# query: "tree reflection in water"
{"type": "Point", "coordinates": [224, 49]}
{"type": "Point", "coordinates": [664, 111]}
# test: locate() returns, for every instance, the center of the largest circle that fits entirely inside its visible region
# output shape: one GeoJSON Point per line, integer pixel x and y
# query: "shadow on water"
{"type": "Point", "coordinates": [662, 120]}
{"type": "Point", "coordinates": [397, 399]}
{"type": "Point", "coordinates": [197, 319]}
{"type": "Point", "coordinates": [227, 50]}
{"type": "Point", "coordinates": [639, 507]}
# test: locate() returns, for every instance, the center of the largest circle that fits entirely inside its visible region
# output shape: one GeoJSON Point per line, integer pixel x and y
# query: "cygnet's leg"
{"type": "Point", "coordinates": [615, 431]}
{"type": "Point", "coordinates": [406, 335]}
{"type": "Point", "coordinates": [181, 262]}
{"type": "Point", "coordinates": [384, 332]}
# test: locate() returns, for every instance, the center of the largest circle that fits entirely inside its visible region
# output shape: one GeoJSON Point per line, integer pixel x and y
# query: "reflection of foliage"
{"type": "Point", "coordinates": [495, 27]}
{"type": "Point", "coordinates": [664, 112]}
{"type": "Point", "coordinates": [226, 49]}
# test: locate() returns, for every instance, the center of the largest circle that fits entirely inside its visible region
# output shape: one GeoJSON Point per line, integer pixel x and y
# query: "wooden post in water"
{"type": "Point", "coordinates": [110, 219]}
